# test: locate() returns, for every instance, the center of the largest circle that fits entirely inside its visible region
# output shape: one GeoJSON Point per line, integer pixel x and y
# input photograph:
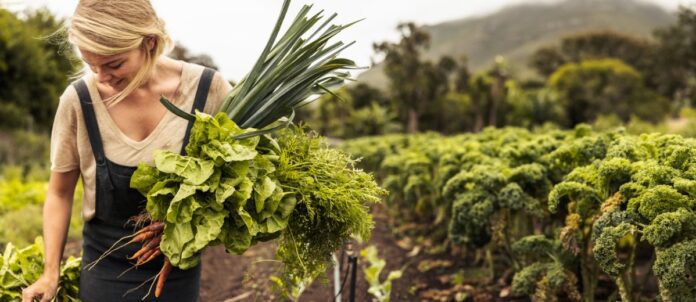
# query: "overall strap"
{"type": "Point", "coordinates": [103, 174]}
{"type": "Point", "coordinates": [199, 101]}
{"type": "Point", "coordinates": [90, 121]}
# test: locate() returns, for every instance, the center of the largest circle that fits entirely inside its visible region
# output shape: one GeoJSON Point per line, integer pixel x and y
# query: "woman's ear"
{"type": "Point", "coordinates": [151, 43]}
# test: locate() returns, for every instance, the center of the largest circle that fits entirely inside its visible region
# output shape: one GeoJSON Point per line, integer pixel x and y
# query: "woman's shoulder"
{"type": "Point", "coordinates": [196, 71]}
{"type": "Point", "coordinates": [69, 100]}
{"type": "Point", "coordinates": [65, 124]}
{"type": "Point", "coordinates": [219, 86]}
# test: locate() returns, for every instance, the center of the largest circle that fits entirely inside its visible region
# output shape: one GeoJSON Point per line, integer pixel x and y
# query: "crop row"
{"type": "Point", "coordinates": [565, 210]}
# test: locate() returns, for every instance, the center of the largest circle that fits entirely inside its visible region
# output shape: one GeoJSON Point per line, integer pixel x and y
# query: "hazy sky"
{"type": "Point", "coordinates": [234, 32]}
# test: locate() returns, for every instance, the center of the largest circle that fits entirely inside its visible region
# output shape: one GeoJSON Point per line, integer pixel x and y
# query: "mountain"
{"type": "Point", "coordinates": [517, 31]}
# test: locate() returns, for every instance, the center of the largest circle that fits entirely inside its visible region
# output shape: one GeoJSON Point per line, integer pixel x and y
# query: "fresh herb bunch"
{"type": "Point", "coordinates": [332, 198]}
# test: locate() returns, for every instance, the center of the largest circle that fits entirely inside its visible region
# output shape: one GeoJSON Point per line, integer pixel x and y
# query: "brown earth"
{"type": "Point", "coordinates": [426, 277]}
{"type": "Point", "coordinates": [429, 272]}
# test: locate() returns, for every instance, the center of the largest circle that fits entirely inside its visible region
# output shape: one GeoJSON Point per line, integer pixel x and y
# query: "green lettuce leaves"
{"type": "Point", "coordinates": [237, 192]}
{"type": "Point", "coordinates": [20, 268]}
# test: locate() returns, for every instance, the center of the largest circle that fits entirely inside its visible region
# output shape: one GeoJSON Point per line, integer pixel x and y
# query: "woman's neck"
{"type": "Point", "coordinates": [166, 70]}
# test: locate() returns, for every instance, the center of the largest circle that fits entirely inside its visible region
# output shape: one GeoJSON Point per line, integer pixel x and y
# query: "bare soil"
{"type": "Point", "coordinates": [428, 275]}
{"type": "Point", "coordinates": [430, 272]}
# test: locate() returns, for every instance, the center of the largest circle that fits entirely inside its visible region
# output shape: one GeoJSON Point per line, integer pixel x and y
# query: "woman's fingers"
{"type": "Point", "coordinates": [42, 290]}
{"type": "Point", "coordinates": [29, 294]}
{"type": "Point", "coordinates": [46, 298]}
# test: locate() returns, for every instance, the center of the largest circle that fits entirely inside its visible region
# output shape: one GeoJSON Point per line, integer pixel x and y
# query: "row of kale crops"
{"type": "Point", "coordinates": [564, 209]}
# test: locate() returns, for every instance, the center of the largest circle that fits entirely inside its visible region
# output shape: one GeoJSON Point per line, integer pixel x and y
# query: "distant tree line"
{"type": "Point", "coordinates": [33, 71]}
{"type": "Point", "coordinates": [582, 78]}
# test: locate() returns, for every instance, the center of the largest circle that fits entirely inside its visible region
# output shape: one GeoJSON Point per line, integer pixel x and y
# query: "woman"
{"type": "Point", "coordinates": [106, 123]}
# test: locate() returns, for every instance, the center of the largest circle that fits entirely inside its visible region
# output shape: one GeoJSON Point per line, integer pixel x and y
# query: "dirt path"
{"type": "Point", "coordinates": [429, 275]}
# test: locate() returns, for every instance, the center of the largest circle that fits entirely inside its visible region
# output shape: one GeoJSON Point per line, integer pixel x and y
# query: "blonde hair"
{"type": "Point", "coordinates": [109, 27]}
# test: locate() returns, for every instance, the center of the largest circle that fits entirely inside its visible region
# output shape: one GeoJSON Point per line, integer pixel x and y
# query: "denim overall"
{"type": "Point", "coordinates": [116, 202]}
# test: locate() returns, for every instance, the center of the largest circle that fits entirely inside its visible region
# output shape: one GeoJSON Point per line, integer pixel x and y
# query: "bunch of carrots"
{"type": "Point", "coordinates": [150, 236]}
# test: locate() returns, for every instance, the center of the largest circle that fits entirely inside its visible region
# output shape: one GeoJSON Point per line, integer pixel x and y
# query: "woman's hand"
{"type": "Point", "coordinates": [42, 290]}
{"type": "Point", "coordinates": [56, 219]}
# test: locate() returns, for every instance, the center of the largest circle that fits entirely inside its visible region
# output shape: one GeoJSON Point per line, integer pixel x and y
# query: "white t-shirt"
{"type": "Point", "coordinates": [71, 149]}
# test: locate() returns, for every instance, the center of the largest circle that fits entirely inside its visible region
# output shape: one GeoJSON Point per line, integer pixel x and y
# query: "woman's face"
{"type": "Point", "coordinates": [117, 70]}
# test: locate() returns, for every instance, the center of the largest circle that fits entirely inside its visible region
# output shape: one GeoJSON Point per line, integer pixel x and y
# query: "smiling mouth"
{"type": "Point", "coordinates": [116, 83]}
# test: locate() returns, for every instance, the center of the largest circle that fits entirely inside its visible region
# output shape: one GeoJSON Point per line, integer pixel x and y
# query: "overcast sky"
{"type": "Point", "coordinates": [234, 32]}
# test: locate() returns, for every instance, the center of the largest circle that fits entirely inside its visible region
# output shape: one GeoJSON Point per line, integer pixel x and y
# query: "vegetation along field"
{"type": "Point", "coordinates": [545, 152]}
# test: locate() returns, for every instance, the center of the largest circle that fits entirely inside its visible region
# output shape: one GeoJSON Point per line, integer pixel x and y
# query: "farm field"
{"type": "Point", "coordinates": [518, 151]}
{"type": "Point", "coordinates": [509, 214]}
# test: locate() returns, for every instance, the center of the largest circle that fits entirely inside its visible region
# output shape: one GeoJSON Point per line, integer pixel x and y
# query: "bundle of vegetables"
{"type": "Point", "coordinates": [237, 192]}
{"type": "Point", "coordinates": [20, 268]}
{"type": "Point", "coordinates": [238, 185]}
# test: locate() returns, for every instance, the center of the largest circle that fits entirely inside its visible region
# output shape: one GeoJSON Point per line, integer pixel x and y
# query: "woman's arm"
{"type": "Point", "coordinates": [56, 217]}
{"type": "Point", "coordinates": [56, 221]}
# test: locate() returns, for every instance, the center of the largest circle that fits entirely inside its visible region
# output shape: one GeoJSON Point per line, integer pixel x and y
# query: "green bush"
{"type": "Point", "coordinates": [21, 206]}
{"type": "Point", "coordinates": [26, 149]}
{"type": "Point", "coordinates": [594, 87]}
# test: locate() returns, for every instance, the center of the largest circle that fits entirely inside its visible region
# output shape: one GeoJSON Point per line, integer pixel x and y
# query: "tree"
{"type": "Point", "coordinates": [350, 111]}
{"type": "Point", "coordinates": [34, 70]}
{"type": "Point", "coordinates": [364, 95]}
{"type": "Point", "coordinates": [608, 86]}
{"type": "Point", "coordinates": [499, 74]}
{"type": "Point", "coordinates": [414, 83]}
{"type": "Point", "coordinates": [528, 107]}
{"type": "Point", "coordinates": [668, 64]}
{"type": "Point", "coordinates": [479, 90]}
{"type": "Point", "coordinates": [182, 53]}
{"type": "Point", "coordinates": [486, 93]}
{"type": "Point", "coordinates": [676, 58]}
{"type": "Point", "coordinates": [636, 52]}
{"type": "Point", "coordinates": [546, 60]}
{"type": "Point", "coordinates": [434, 87]}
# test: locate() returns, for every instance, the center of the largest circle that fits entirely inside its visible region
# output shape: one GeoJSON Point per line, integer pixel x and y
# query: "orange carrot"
{"type": "Point", "coordinates": [143, 256]}
{"type": "Point", "coordinates": [156, 226]}
{"type": "Point", "coordinates": [153, 230]}
{"type": "Point", "coordinates": [149, 258]}
{"type": "Point", "coordinates": [147, 247]}
{"type": "Point", "coordinates": [153, 242]}
{"type": "Point", "coordinates": [141, 252]}
{"type": "Point", "coordinates": [166, 268]}
{"type": "Point", "coordinates": [144, 236]}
